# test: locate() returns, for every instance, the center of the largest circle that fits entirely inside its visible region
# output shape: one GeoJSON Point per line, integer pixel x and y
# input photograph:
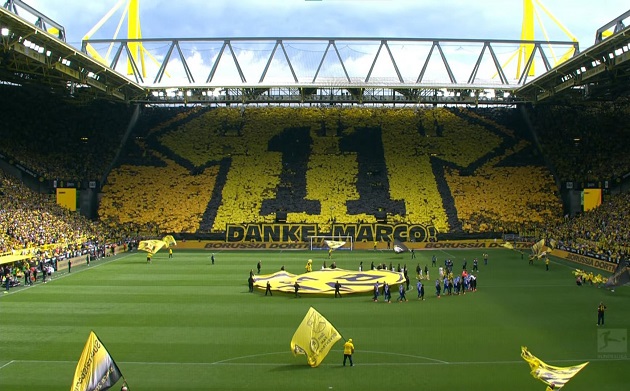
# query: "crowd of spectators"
{"type": "Point", "coordinates": [198, 169]}
{"type": "Point", "coordinates": [604, 230]}
{"type": "Point", "coordinates": [585, 142]}
{"type": "Point", "coordinates": [452, 169]}
{"type": "Point", "coordinates": [57, 138]}
{"type": "Point", "coordinates": [32, 224]}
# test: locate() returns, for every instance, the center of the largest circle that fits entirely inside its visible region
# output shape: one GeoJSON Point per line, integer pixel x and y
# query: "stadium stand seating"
{"type": "Point", "coordinates": [57, 138]}
{"type": "Point", "coordinates": [194, 169]}
{"type": "Point", "coordinates": [587, 142]}
{"type": "Point", "coordinates": [453, 169]}
{"type": "Point", "coordinates": [29, 219]}
{"type": "Point", "coordinates": [604, 230]}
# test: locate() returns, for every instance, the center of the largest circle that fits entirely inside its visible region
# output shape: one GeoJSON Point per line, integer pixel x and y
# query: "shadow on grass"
{"type": "Point", "coordinates": [292, 367]}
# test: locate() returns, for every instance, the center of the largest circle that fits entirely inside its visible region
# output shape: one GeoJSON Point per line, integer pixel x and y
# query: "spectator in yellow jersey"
{"type": "Point", "coordinates": [348, 350]}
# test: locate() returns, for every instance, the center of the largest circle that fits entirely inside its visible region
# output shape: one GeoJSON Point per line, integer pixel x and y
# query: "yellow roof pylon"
{"type": "Point", "coordinates": [131, 11]}
{"type": "Point", "coordinates": [525, 51]}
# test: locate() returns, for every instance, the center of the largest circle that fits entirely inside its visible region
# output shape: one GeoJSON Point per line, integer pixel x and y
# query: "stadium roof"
{"type": "Point", "coordinates": [32, 55]}
{"type": "Point", "coordinates": [402, 71]}
{"type": "Point", "coordinates": [600, 72]}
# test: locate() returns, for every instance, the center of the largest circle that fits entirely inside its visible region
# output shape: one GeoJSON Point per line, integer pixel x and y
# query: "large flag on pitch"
{"type": "Point", "coordinates": [399, 247]}
{"type": "Point", "coordinates": [538, 249]}
{"type": "Point", "coordinates": [508, 245]}
{"type": "Point", "coordinates": [548, 374]}
{"type": "Point", "coordinates": [620, 277]}
{"type": "Point", "coordinates": [334, 244]}
{"type": "Point", "coordinates": [96, 369]}
{"type": "Point", "coordinates": [151, 246]}
{"type": "Point", "coordinates": [314, 337]}
{"type": "Point", "coordinates": [169, 241]}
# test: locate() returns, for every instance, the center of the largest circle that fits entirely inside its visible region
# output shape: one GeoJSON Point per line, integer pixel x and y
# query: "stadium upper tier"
{"type": "Point", "coordinates": [451, 169]}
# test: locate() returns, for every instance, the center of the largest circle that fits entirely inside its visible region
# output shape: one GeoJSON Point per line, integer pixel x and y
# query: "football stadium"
{"type": "Point", "coordinates": [232, 213]}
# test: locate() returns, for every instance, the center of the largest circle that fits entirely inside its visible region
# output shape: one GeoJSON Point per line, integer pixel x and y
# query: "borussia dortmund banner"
{"type": "Point", "coordinates": [548, 374]}
{"type": "Point", "coordinates": [96, 369]}
{"type": "Point", "coordinates": [323, 281]}
{"type": "Point", "coordinates": [314, 337]}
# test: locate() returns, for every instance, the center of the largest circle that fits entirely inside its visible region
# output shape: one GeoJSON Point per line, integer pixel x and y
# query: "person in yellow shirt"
{"type": "Point", "coordinates": [348, 349]}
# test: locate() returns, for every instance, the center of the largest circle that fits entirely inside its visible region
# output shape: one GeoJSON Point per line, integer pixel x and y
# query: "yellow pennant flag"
{"type": "Point", "coordinates": [96, 369]}
{"type": "Point", "coordinates": [549, 374]}
{"type": "Point", "coordinates": [314, 337]}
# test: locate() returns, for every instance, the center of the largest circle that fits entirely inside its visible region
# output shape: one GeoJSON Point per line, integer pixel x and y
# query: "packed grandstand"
{"type": "Point", "coordinates": [458, 172]}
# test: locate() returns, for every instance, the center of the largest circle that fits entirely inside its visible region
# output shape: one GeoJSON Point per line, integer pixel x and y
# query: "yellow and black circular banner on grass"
{"type": "Point", "coordinates": [323, 281]}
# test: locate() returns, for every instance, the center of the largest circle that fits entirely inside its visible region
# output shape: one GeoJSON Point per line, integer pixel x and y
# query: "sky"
{"type": "Point", "coordinates": [478, 19]}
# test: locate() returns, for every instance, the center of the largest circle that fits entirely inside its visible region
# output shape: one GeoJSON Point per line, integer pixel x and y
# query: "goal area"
{"type": "Point", "coordinates": [335, 242]}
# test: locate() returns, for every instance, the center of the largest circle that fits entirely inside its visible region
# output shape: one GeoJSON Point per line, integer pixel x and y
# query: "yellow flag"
{"type": "Point", "coordinates": [314, 337]}
{"type": "Point", "coordinates": [169, 241]}
{"type": "Point", "coordinates": [151, 246]}
{"type": "Point", "coordinates": [508, 245]}
{"type": "Point", "coordinates": [538, 249]}
{"type": "Point", "coordinates": [549, 374]}
{"type": "Point", "coordinates": [96, 369]}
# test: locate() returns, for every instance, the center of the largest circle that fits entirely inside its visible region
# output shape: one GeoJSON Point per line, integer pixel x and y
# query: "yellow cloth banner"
{"type": "Point", "coordinates": [169, 241]}
{"type": "Point", "coordinates": [151, 246]}
{"type": "Point", "coordinates": [323, 281]}
{"type": "Point", "coordinates": [538, 249]}
{"type": "Point", "coordinates": [314, 337]}
{"type": "Point", "coordinates": [96, 369]}
{"type": "Point", "coordinates": [549, 374]}
{"type": "Point", "coordinates": [334, 244]}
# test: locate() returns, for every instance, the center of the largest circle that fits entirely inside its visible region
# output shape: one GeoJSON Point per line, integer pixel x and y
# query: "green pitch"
{"type": "Point", "coordinates": [185, 324]}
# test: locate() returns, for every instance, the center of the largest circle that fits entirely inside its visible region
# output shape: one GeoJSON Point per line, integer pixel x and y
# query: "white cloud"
{"type": "Point", "coordinates": [487, 19]}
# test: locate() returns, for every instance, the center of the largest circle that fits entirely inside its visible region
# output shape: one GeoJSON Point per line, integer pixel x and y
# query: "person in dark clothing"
{"type": "Point", "coordinates": [69, 267]}
{"type": "Point", "coordinates": [601, 308]}
{"type": "Point", "coordinates": [268, 289]}
{"type": "Point", "coordinates": [337, 288]}
{"type": "Point", "coordinates": [296, 286]}
{"type": "Point", "coordinates": [258, 266]}
{"type": "Point", "coordinates": [250, 282]}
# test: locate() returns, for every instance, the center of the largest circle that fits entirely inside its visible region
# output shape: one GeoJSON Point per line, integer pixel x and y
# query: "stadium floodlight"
{"type": "Point", "coordinates": [5, 32]}
{"type": "Point", "coordinates": [48, 53]}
